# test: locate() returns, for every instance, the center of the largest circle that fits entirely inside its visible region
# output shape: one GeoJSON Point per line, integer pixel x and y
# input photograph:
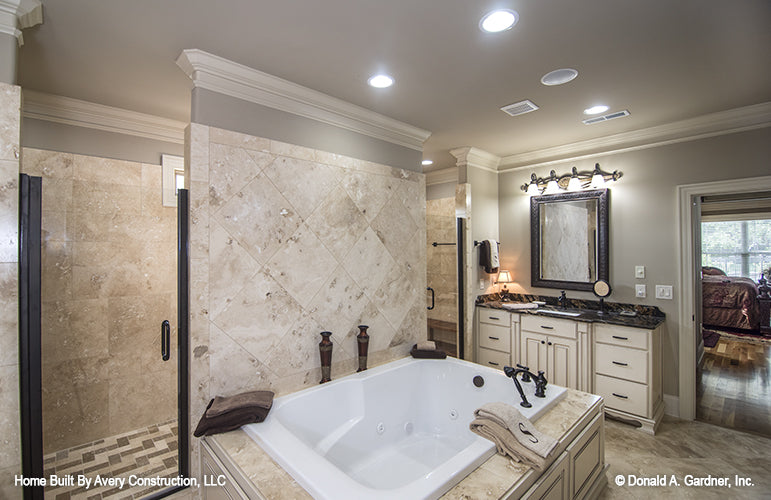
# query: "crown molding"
{"type": "Point", "coordinates": [475, 157]}
{"type": "Point", "coordinates": [442, 176]}
{"type": "Point", "coordinates": [69, 111]}
{"type": "Point", "coordinates": [710, 125]}
{"type": "Point", "coordinates": [16, 15]}
{"type": "Point", "coordinates": [221, 75]}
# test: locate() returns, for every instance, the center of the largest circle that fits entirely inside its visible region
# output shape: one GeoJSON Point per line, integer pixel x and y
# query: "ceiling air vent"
{"type": "Point", "coordinates": [519, 108]}
{"type": "Point", "coordinates": [604, 118]}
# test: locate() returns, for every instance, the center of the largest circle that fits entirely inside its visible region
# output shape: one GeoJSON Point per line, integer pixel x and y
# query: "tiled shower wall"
{"type": "Point", "coordinates": [10, 459]}
{"type": "Point", "coordinates": [287, 242]}
{"type": "Point", "coordinates": [442, 267]}
{"type": "Point", "coordinates": [108, 281]}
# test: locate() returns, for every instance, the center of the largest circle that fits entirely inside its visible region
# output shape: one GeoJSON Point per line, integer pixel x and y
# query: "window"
{"type": "Point", "coordinates": [738, 247]}
{"type": "Point", "coordinates": [173, 178]}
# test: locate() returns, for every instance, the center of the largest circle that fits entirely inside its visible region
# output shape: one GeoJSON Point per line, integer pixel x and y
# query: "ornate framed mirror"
{"type": "Point", "coordinates": [569, 242]}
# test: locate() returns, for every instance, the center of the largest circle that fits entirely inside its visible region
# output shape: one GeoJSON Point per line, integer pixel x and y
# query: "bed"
{"type": "Point", "coordinates": [729, 301]}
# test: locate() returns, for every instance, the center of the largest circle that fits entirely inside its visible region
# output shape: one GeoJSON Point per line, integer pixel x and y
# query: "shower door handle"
{"type": "Point", "coordinates": [165, 340]}
{"type": "Point", "coordinates": [433, 298]}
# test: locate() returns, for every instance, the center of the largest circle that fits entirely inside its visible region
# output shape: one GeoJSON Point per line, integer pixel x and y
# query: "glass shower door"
{"type": "Point", "coordinates": [442, 274]}
{"type": "Point", "coordinates": [109, 361]}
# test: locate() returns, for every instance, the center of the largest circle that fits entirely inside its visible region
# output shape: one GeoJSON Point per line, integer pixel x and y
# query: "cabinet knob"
{"type": "Point", "coordinates": [543, 341]}
{"type": "Point", "coordinates": [549, 343]}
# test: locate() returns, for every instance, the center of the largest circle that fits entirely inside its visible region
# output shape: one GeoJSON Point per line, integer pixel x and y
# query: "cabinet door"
{"type": "Point", "coordinates": [533, 352]}
{"type": "Point", "coordinates": [554, 484]}
{"type": "Point", "coordinates": [562, 362]}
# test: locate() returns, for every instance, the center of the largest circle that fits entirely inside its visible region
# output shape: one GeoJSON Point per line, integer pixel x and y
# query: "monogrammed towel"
{"type": "Point", "coordinates": [514, 435]}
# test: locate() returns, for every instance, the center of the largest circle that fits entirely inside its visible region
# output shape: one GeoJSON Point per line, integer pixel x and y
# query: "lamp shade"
{"type": "Point", "coordinates": [504, 277]}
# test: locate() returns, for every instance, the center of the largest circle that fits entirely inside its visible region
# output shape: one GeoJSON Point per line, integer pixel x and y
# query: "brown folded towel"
{"type": "Point", "coordinates": [225, 414]}
{"type": "Point", "coordinates": [514, 435]}
{"type": "Point", "coordinates": [427, 353]}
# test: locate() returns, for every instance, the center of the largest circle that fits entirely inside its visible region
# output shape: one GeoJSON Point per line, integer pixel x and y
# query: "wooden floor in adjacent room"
{"type": "Point", "coordinates": [733, 387]}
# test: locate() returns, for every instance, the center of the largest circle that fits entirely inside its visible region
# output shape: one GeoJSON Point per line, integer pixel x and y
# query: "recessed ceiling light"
{"type": "Point", "coordinates": [498, 20]}
{"type": "Point", "coordinates": [427, 162]}
{"type": "Point", "coordinates": [601, 108]}
{"type": "Point", "coordinates": [559, 76]}
{"type": "Point", "coordinates": [380, 81]}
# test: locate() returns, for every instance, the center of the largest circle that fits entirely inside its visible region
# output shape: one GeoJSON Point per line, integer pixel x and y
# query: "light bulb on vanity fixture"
{"type": "Point", "coordinates": [575, 180]}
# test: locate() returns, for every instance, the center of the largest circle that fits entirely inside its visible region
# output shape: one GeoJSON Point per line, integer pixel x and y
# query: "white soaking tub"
{"type": "Point", "coordinates": [398, 431]}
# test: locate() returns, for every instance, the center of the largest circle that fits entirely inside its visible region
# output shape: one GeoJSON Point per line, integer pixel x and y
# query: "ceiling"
{"type": "Point", "coordinates": [662, 61]}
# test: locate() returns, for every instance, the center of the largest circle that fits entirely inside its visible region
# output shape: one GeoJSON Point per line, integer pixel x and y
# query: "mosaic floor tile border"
{"type": "Point", "coordinates": [149, 452]}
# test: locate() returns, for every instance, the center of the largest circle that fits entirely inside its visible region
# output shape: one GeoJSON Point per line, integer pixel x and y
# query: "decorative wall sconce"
{"type": "Point", "coordinates": [573, 181]}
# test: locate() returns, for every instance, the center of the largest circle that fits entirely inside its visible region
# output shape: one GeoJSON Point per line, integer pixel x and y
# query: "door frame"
{"type": "Point", "coordinates": [688, 301]}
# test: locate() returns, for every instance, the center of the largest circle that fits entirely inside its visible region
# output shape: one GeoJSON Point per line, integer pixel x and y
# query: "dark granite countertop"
{"type": "Point", "coordinates": [588, 311]}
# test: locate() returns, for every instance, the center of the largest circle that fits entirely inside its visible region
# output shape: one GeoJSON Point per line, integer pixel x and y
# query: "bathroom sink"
{"type": "Point", "coordinates": [560, 313]}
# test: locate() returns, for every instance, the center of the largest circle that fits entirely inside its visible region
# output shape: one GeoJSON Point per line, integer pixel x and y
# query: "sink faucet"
{"type": "Point", "coordinates": [562, 299]}
{"type": "Point", "coordinates": [539, 380]}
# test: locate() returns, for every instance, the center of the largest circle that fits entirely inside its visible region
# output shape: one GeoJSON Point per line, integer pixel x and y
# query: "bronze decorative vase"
{"type": "Point", "coordinates": [363, 340]}
{"type": "Point", "coordinates": [325, 350]}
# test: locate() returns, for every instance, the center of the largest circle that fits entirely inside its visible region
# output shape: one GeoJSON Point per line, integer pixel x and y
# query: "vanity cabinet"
{"type": "Point", "coordinates": [550, 345]}
{"type": "Point", "coordinates": [627, 373]}
{"type": "Point", "coordinates": [494, 337]}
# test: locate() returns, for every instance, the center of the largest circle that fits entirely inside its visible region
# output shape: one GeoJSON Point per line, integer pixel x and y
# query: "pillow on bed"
{"type": "Point", "coordinates": [711, 271]}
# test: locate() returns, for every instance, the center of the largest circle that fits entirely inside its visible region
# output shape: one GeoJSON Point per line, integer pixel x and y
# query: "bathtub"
{"type": "Point", "coordinates": [398, 431]}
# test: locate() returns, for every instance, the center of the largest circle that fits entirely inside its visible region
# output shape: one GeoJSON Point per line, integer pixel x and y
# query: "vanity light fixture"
{"type": "Point", "coordinates": [575, 180]}
{"type": "Point", "coordinates": [380, 81]}
{"type": "Point", "coordinates": [498, 20]}
{"type": "Point", "coordinates": [426, 163]}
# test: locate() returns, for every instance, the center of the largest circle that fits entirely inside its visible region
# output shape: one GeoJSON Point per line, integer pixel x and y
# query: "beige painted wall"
{"type": "Point", "coordinates": [643, 217]}
{"type": "Point", "coordinates": [10, 459]}
{"type": "Point", "coordinates": [108, 268]}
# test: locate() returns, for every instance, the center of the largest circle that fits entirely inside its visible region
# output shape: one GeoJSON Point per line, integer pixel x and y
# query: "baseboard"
{"type": "Point", "coordinates": [671, 405]}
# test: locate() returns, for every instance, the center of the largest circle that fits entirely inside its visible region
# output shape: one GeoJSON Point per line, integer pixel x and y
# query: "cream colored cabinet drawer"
{"type": "Point", "coordinates": [621, 362]}
{"type": "Point", "coordinates": [493, 317]}
{"type": "Point", "coordinates": [549, 326]}
{"type": "Point", "coordinates": [495, 337]}
{"type": "Point", "coordinates": [493, 359]}
{"type": "Point", "coordinates": [623, 395]}
{"type": "Point", "coordinates": [621, 336]}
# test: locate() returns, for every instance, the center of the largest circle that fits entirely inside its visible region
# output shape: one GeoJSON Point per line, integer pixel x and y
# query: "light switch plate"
{"type": "Point", "coordinates": [639, 272]}
{"type": "Point", "coordinates": [664, 292]}
{"type": "Point", "coordinates": [482, 284]}
{"type": "Point", "coordinates": [640, 292]}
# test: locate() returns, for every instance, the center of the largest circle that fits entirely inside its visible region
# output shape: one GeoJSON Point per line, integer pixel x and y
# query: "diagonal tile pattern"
{"type": "Point", "coordinates": [300, 241]}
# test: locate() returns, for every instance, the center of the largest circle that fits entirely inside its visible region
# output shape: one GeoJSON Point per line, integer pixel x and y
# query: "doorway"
{"type": "Point", "coordinates": [689, 293]}
{"type": "Point", "coordinates": [733, 389]}
{"type": "Point", "coordinates": [111, 350]}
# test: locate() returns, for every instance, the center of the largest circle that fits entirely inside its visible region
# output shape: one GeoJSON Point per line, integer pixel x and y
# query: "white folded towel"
{"type": "Point", "coordinates": [494, 260]}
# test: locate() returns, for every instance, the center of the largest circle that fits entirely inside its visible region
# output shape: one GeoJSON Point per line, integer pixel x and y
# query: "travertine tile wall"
{"type": "Point", "coordinates": [108, 281]}
{"type": "Point", "coordinates": [442, 266]}
{"type": "Point", "coordinates": [287, 242]}
{"type": "Point", "coordinates": [10, 458]}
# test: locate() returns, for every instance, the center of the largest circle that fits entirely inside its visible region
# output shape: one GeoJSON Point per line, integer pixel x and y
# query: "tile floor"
{"type": "Point", "coordinates": [681, 448]}
{"type": "Point", "coordinates": [149, 452]}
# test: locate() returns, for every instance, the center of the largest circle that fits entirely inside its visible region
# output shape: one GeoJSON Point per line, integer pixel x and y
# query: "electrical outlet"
{"type": "Point", "coordinates": [482, 284]}
{"type": "Point", "coordinates": [639, 272]}
{"type": "Point", "coordinates": [664, 292]}
{"type": "Point", "coordinates": [640, 291]}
